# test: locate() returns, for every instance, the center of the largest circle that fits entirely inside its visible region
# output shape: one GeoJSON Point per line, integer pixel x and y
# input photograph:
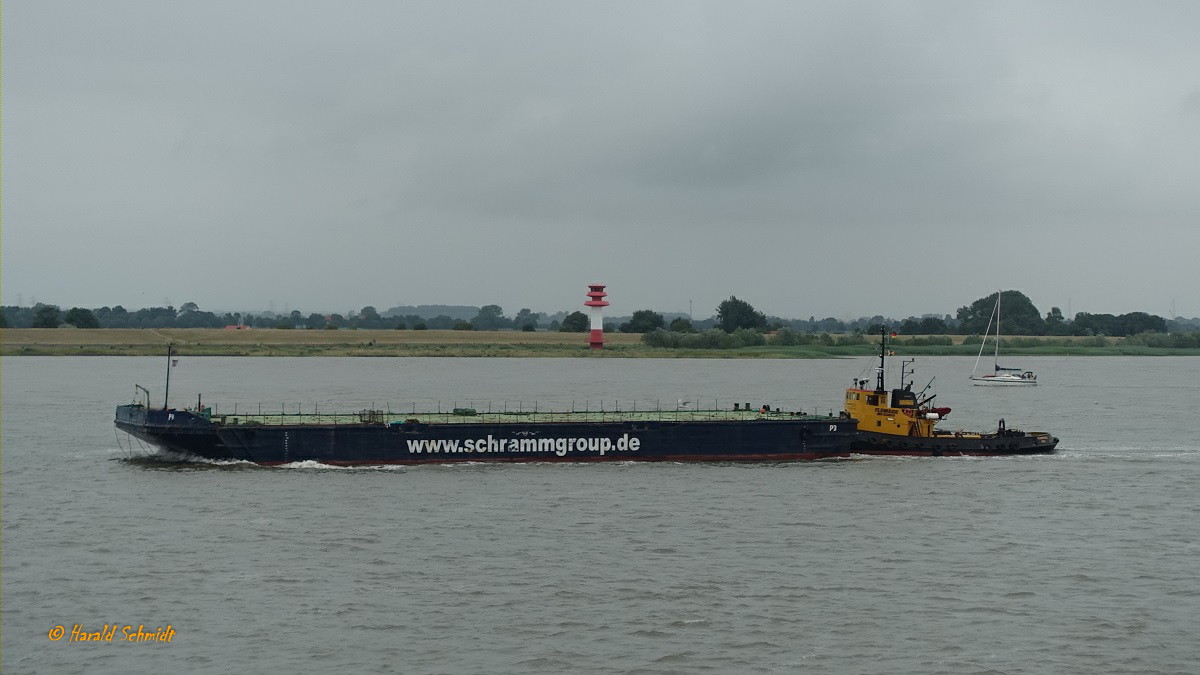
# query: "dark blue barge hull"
{"type": "Point", "coordinates": [770, 438]}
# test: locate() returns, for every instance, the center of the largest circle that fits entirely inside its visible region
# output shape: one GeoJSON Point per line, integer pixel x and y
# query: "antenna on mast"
{"type": "Point", "coordinates": [882, 354]}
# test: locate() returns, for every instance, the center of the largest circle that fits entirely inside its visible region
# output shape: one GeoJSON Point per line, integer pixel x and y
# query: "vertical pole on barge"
{"type": "Point", "coordinates": [167, 394]}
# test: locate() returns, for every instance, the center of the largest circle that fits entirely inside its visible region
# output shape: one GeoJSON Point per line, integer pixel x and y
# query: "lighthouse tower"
{"type": "Point", "coordinates": [596, 304]}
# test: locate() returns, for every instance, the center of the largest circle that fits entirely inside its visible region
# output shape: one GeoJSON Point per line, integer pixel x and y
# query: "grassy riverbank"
{"type": "Point", "coordinates": [1113, 349]}
{"type": "Point", "coordinates": [275, 342]}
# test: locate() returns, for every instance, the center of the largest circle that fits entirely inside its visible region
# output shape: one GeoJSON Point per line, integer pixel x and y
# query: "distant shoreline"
{"type": "Point", "coordinates": [450, 343]}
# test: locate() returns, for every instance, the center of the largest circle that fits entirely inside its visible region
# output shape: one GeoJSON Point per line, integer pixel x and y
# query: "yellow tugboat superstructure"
{"type": "Point", "coordinates": [899, 416]}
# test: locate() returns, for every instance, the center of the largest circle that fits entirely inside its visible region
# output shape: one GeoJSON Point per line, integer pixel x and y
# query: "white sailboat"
{"type": "Point", "coordinates": [1000, 376]}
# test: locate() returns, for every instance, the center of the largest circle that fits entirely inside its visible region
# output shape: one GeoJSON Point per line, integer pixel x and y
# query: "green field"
{"type": "Point", "coordinates": [277, 342]}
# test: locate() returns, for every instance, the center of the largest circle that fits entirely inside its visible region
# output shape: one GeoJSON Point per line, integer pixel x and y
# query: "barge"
{"type": "Point", "coordinates": [465, 435]}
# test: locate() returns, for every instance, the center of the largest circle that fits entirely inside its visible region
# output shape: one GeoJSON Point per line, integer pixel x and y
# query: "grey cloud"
{"type": "Point", "coordinates": [415, 150]}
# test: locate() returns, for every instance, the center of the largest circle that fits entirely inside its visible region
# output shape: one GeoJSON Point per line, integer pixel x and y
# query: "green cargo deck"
{"type": "Point", "coordinates": [468, 416]}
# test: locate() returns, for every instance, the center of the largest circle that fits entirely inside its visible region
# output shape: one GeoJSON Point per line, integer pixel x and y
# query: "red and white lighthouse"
{"type": "Point", "coordinates": [596, 304]}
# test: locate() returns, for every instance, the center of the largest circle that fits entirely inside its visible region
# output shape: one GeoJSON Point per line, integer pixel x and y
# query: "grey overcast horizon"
{"type": "Point", "coordinates": [838, 159]}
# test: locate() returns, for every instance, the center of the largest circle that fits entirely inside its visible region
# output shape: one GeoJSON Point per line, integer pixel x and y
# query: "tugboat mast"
{"type": "Point", "coordinates": [882, 351]}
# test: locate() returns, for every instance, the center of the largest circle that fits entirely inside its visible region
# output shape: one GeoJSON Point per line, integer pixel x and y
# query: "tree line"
{"type": "Point", "coordinates": [738, 324]}
{"type": "Point", "coordinates": [189, 315]}
{"type": "Point", "coordinates": [1018, 318]}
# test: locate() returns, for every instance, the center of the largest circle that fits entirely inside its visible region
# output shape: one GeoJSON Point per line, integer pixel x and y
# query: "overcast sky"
{"type": "Point", "coordinates": [814, 158]}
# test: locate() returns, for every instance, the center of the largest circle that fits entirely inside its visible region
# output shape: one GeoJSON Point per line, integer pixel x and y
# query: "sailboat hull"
{"type": "Point", "coordinates": [1002, 381]}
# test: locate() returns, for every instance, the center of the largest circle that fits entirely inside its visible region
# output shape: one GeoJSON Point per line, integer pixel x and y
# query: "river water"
{"type": "Point", "coordinates": [1084, 561]}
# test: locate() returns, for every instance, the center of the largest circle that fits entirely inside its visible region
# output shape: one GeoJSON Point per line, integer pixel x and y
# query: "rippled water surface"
{"type": "Point", "coordinates": [1084, 561]}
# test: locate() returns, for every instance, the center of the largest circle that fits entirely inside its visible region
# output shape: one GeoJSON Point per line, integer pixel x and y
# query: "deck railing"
{"type": "Point", "coordinates": [462, 415]}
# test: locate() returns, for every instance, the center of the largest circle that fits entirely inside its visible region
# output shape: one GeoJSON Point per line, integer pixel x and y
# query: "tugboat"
{"type": "Point", "coordinates": [902, 422]}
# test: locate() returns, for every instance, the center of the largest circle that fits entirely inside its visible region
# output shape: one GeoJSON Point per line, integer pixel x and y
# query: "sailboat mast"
{"type": "Point", "coordinates": [983, 342]}
{"type": "Point", "coordinates": [996, 356]}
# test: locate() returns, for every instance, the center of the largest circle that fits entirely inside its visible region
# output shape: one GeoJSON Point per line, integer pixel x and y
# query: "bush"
{"type": "Point", "coordinates": [932, 340]}
{"type": "Point", "coordinates": [660, 338]}
{"type": "Point", "coordinates": [786, 337]}
{"type": "Point", "coordinates": [1186, 340]}
{"type": "Point", "coordinates": [749, 337]}
{"type": "Point", "coordinates": [710, 339]}
{"type": "Point", "coordinates": [858, 339]}
{"type": "Point", "coordinates": [1164, 340]}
